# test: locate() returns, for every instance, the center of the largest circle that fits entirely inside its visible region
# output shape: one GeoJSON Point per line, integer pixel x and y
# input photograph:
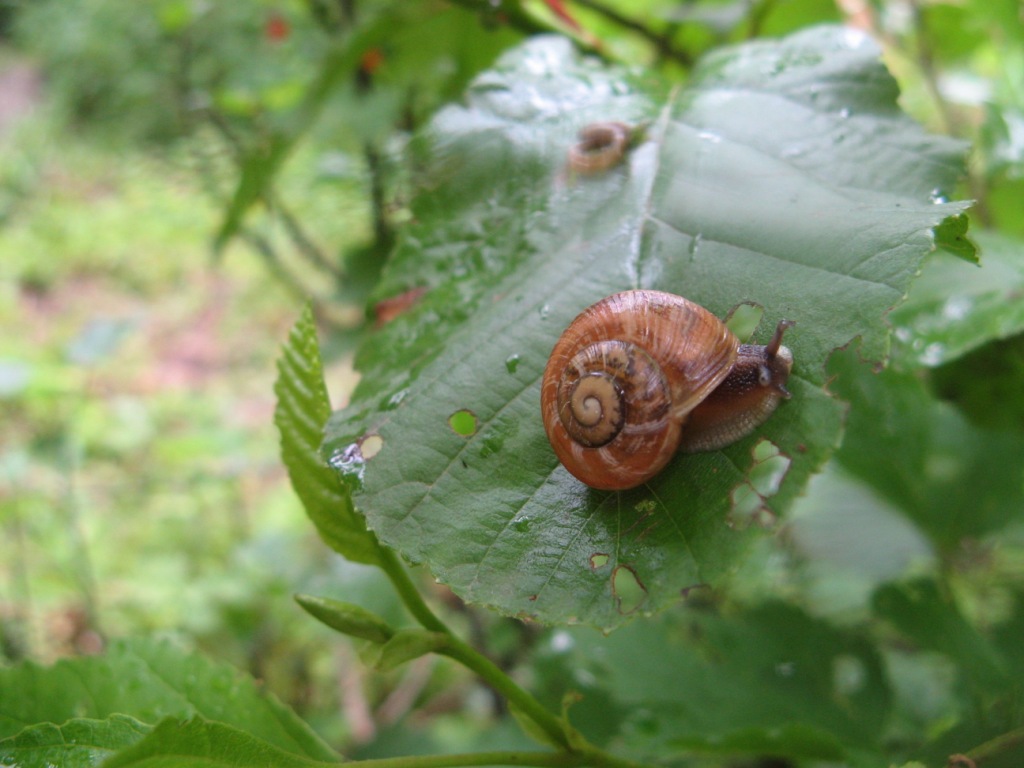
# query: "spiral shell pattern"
{"type": "Point", "coordinates": [622, 380]}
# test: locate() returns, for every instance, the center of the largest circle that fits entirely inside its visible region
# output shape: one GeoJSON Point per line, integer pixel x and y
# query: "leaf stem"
{"type": "Point", "coordinates": [661, 40]}
{"type": "Point", "coordinates": [1001, 744]}
{"type": "Point", "coordinates": [410, 595]}
{"type": "Point", "coordinates": [468, 656]}
{"type": "Point", "coordinates": [571, 753]}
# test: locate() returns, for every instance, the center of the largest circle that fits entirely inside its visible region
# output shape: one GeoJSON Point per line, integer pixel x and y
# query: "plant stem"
{"type": "Point", "coordinates": [406, 590]}
{"type": "Point", "coordinates": [526, 704]}
{"type": "Point", "coordinates": [469, 657]}
{"type": "Point", "coordinates": [1001, 744]}
{"type": "Point", "coordinates": [662, 40]}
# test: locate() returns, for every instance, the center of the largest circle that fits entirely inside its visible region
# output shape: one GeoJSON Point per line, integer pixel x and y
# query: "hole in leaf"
{"type": "Point", "coordinates": [763, 481]}
{"type": "Point", "coordinates": [599, 560]}
{"type": "Point", "coordinates": [630, 593]}
{"type": "Point", "coordinates": [370, 446]}
{"type": "Point", "coordinates": [743, 320]}
{"type": "Point", "coordinates": [511, 363]}
{"type": "Point", "coordinates": [463, 423]}
{"type": "Point", "coordinates": [770, 467]}
{"type": "Point", "coordinates": [746, 505]}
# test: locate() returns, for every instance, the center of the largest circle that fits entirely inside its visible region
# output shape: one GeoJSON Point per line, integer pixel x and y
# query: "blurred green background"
{"type": "Point", "coordinates": [141, 489]}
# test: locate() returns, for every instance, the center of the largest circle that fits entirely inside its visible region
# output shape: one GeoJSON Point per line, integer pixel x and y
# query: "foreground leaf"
{"type": "Point", "coordinates": [302, 409]}
{"type": "Point", "coordinates": [783, 175]}
{"type": "Point", "coordinates": [764, 680]}
{"type": "Point", "coordinates": [76, 743]}
{"type": "Point", "coordinates": [919, 610]}
{"type": "Point", "coordinates": [200, 743]}
{"type": "Point", "coordinates": [983, 714]}
{"type": "Point", "coordinates": [150, 681]}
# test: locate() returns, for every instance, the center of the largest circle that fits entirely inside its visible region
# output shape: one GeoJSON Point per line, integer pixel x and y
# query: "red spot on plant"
{"type": "Point", "coordinates": [277, 27]}
{"type": "Point", "coordinates": [388, 309]}
{"type": "Point", "coordinates": [559, 9]}
{"type": "Point", "coordinates": [371, 61]}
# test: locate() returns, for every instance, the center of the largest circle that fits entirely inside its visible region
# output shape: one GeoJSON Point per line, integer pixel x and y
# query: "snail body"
{"type": "Point", "coordinates": [640, 375]}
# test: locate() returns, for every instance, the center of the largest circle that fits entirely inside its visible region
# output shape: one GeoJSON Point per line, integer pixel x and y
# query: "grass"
{"type": "Point", "coordinates": [140, 485]}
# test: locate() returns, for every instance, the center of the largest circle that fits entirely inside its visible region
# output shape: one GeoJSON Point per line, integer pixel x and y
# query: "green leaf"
{"type": "Point", "coordinates": [951, 237]}
{"type": "Point", "coordinates": [950, 477]}
{"type": "Point", "coordinates": [200, 743]}
{"type": "Point", "coordinates": [765, 680]}
{"type": "Point", "coordinates": [149, 681]}
{"type": "Point", "coordinates": [302, 409]}
{"type": "Point", "coordinates": [409, 644]}
{"type": "Point", "coordinates": [795, 740]}
{"type": "Point", "coordinates": [347, 618]}
{"type": "Point", "coordinates": [78, 743]}
{"type": "Point", "coordinates": [850, 541]}
{"type": "Point", "coordinates": [261, 164]}
{"type": "Point", "coordinates": [955, 307]}
{"type": "Point", "coordinates": [783, 175]}
{"type": "Point", "coordinates": [933, 621]}
{"type": "Point", "coordinates": [429, 53]}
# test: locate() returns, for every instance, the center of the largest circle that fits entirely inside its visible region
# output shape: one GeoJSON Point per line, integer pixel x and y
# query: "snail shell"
{"type": "Point", "coordinates": [642, 374]}
{"type": "Point", "coordinates": [601, 146]}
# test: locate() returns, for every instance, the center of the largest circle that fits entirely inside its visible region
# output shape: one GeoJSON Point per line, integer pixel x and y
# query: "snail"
{"type": "Point", "coordinates": [601, 146]}
{"type": "Point", "coordinates": [640, 375]}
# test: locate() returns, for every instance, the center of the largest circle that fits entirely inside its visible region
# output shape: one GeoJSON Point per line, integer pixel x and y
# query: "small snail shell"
{"type": "Point", "coordinates": [642, 374]}
{"type": "Point", "coordinates": [601, 146]}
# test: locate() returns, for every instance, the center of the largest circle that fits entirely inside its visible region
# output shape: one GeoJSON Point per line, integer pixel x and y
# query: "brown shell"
{"type": "Point", "coordinates": [632, 366]}
{"type": "Point", "coordinates": [601, 146]}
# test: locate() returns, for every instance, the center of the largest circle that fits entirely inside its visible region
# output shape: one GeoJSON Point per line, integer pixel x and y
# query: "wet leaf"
{"type": "Point", "coordinates": [933, 621]}
{"type": "Point", "coordinates": [762, 680]}
{"type": "Point", "coordinates": [781, 175]}
{"type": "Point", "coordinates": [953, 479]}
{"type": "Point", "coordinates": [955, 307]}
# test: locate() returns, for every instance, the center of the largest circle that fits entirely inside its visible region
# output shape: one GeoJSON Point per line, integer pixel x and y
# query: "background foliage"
{"type": "Point", "coordinates": [322, 146]}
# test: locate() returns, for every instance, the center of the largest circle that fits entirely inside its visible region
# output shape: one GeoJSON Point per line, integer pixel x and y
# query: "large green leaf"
{"type": "Point", "coordinates": [200, 743]}
{"type": "Point", "coordinates": [81, 742]}
{"type": "Point", "coordinates": [782, 175]}
{"type": "Point", "coordinates": [149, 681]}
{"type": "Point", "coordinates": [762, 680]}
{"type": "Point", "coordinates": [955, 307]}
{"type": "Point", "coordinates": [953, 479]}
